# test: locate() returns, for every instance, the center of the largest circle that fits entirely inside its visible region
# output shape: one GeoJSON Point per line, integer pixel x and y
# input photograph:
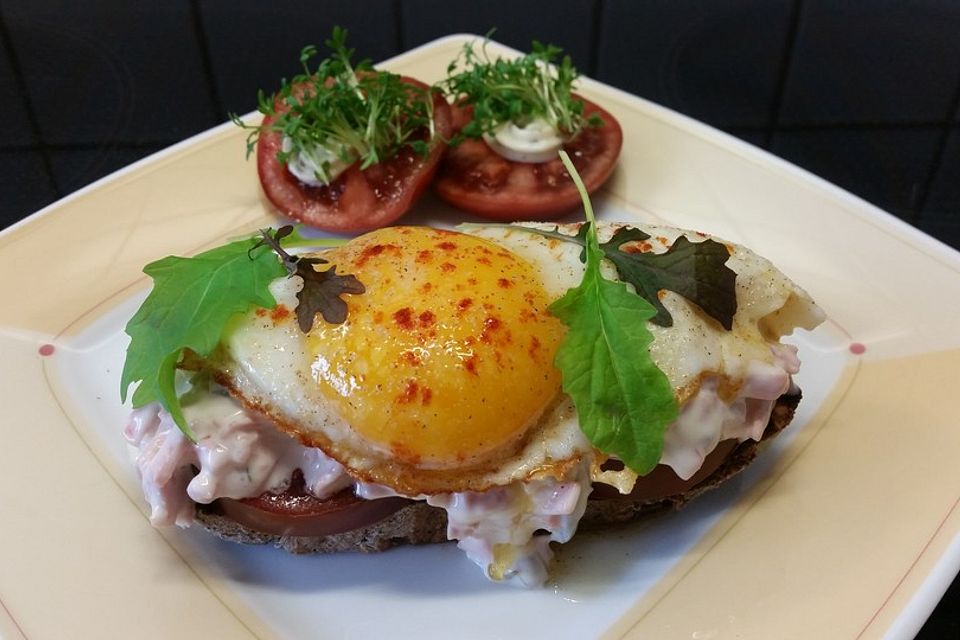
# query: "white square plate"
{"type": "Point", "coordinates": [846, 527]}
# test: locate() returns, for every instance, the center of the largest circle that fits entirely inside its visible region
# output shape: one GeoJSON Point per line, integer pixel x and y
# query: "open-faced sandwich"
{"type": "Point", "coordinates": [499, 385]}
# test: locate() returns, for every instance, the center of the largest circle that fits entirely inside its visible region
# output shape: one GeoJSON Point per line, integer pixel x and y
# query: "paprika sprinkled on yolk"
{"type": "Point", "coordinates": [447, 358]}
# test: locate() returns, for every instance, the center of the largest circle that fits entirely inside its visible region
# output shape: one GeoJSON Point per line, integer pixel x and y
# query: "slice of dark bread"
{"type": "Point", "coordinates": [419, 523]}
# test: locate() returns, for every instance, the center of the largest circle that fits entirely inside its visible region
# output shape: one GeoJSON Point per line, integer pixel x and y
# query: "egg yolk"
{"type": "Point", "coordinates": [447, 358]}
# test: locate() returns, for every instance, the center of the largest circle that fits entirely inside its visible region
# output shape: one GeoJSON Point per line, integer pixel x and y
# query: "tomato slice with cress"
{"type": "Point", "coordinates": [319, 160]}
{"type": "Point", "coordinates": [513, 117]}
{"type": "Point", "coordinates": [475, 178]}
{"type": "Point", "coordinates": [359, 199]}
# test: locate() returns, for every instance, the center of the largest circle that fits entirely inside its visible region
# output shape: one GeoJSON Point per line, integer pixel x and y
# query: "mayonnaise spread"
{"type": "Point", "coordinates": [241, 454]}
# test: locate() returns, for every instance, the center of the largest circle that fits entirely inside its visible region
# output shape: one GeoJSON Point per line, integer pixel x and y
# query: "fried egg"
{"type": "Point", "coordinates": [442, 380]}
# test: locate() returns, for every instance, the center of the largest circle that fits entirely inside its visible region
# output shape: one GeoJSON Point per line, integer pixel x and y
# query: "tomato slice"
{"type": "Point", "coordinates": [357, 200]}
{"type": "Point", "coordinates": [475, 178]}
{"type": "Point", "coordinates": [297, 513]}
{"type": "Point", "coordinates": [663, 482]}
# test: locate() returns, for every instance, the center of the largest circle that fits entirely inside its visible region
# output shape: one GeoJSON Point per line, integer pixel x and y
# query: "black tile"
{"type": "Point", "coordinates": [945, 187]}
{"type": "Point", "coordinates": [565, 23]}
{"type": "Point", "coordinates": [885, 166]}
{"type": "Point", "coordinates": [874, 61]}
{"type": "Point", "coordinates": [941, 212]}
{"type": "Point", "coordinates": [717, 61]}
{"type": "Point", "coordinates": [253, 44]}
{"type": "Point", "coordinates": [111, 71]}
{"type": "Point", "coordinates": [25, 186]}
{"type": "Point", "coordinates": [75, 168]}
{"type": "Point", "coordinates": [14, 123]}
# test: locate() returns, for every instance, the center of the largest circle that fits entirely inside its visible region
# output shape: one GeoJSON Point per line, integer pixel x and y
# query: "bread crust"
{"type": "Point", "coordinates": [419, 523]}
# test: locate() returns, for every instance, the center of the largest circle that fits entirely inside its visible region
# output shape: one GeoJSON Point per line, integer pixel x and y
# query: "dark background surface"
{"type": "Point", "coordinates": [865, 93]}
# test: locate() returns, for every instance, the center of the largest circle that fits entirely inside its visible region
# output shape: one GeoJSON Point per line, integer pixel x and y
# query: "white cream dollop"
{"type": "Point", "coordinates": [538, 141]}
{"type": "Point", "coordinates": [318, 166]}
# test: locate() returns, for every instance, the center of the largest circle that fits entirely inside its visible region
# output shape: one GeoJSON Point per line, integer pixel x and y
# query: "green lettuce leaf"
{"type": "Point", "coordinates": [624, 401]}
{"type": "Point", "coordinates": [190, 305]}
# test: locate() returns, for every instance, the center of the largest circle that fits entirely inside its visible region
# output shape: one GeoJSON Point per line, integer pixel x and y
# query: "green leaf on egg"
{"type": "Point", "coordinates": [190, 305]}
{"type": "Point", "coordinates": [623, 400]}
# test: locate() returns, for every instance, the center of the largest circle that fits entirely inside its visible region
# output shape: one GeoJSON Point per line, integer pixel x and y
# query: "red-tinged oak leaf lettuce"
{"type": "Point", "coordinates": [696, 270]}
{"type": "Point", "coordinates": [322, 290]}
